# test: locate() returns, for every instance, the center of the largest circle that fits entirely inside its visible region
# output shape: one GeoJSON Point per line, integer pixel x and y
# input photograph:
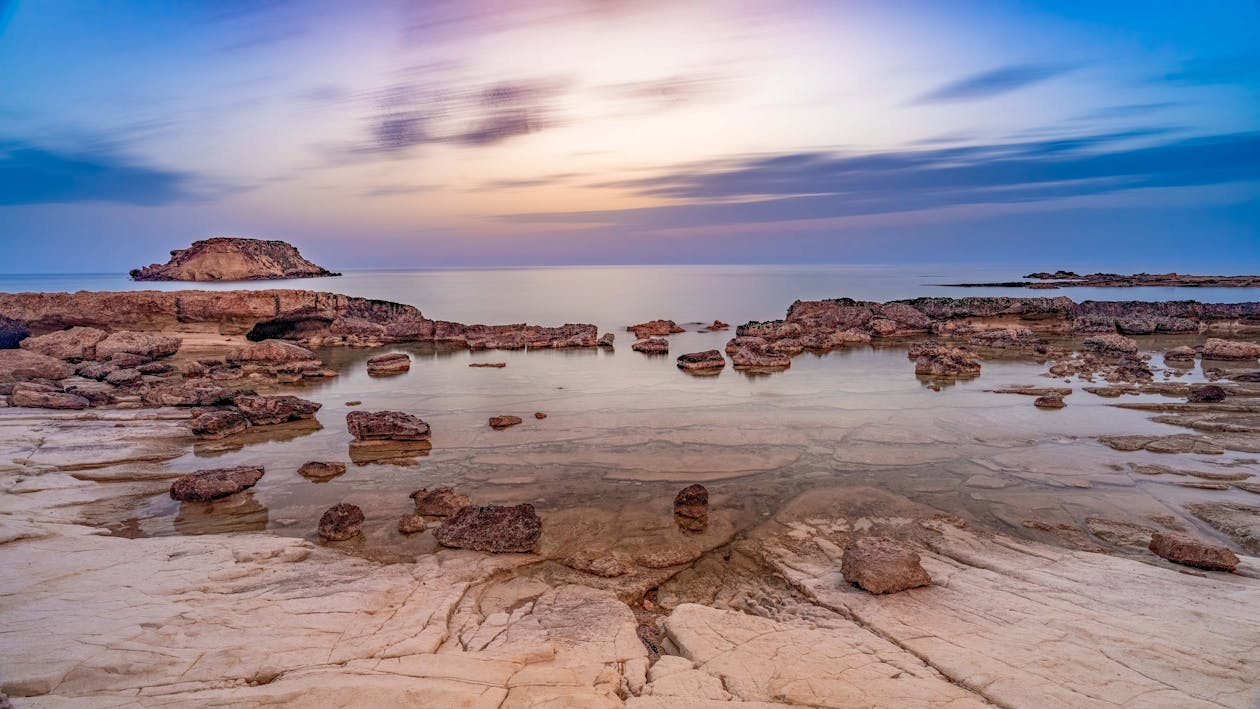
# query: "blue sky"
{"type": "Point", "coordinates": [395, 133]}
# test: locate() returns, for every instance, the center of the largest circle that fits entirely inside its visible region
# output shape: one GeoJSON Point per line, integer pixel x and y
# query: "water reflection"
{"type": "Point", "coordinates": [236, 513]}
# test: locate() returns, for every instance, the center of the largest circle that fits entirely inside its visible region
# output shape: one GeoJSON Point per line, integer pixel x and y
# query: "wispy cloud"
{"type": "Point", "coordinates": [30, 174]}
{"type": "Point", "coordinates": [994, 82]}
{"type": "Point", "coordinates": [803, 186]}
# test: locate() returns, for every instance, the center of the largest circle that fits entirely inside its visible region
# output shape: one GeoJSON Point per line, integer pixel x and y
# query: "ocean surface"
{"type": "Point", "coordinates": [615, 296]}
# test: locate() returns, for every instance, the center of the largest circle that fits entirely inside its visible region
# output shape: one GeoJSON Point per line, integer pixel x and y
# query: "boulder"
{"type": "Point", "coordinates": [124, 377]}
{"type": "Point", "coordinates": [936, 360]}
{"type": "Point", "coordinates": [219, 423]}
{"type": "Point", "coordinates": [716, 325]}
{"type": "Point", "coordinates": [95, 370]}
{"type": "Point", "coordinates": [127, 360]}
{"type": "Point", "coordinates": [340, 522]}
{"type": "Point", "coordinates": [1206, 393]}
{"type": "Point", "coordinates": [1180, 354]}
{"type": "Point", "coordinates": [652, 346]}
{"type": "Point", "coordinates": [1049, 401]}
{"type": "Point", "coordinates": [691, 508]}
{"type": "Point", "coordinates": [1181, 549]}
{"type": "Point", "coordinates": [322, 469]}
{"type": "Point", "coordinates": [386, 426]}
{"type": "Point", "coordinates": [499, 423]}
{"type": "Point", "coordinates": [148, 345]}
{"type": "Point", "coordinates": [269, 352]}
{"type": "Point", "coordinates": [155, 369]}
{"type": "Point", "coordinates": [1216, 348]}
{"type": "Point", "coordinates": [38, 396]}
{"type": "Point", "coordinates": [493, 528]}
{"type": "Point", "coordinates": [264, 410]}
{"type": "Point", "coordinates": [391, 363]}
{"type": "Point", "coordinates": [410, 524]}
{"type": "Point", "coordinates": [73, 345]}
{"type": "Point", "coordinates": [207, 485]}
{"type": "Point", "coordinates": [709, 359]}
{"type": "Point", "coordinates": [439, 502]}
{"type": "Point", "coordinates": [605, 340]}
{"type": "Point", "coordinates": [22, 364]}
{"type": "Point", "coordinates": [654, 328]}
{"type": "Point", "coordinates": [1112, 344]}
{"type": "Point", "coordinates": [881, 565]}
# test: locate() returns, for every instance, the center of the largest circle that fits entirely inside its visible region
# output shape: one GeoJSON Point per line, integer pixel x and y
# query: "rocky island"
{"type": "Point", "coordinates": [1044, 280]}
{"type": "Point", "coordinates": [232, 259]}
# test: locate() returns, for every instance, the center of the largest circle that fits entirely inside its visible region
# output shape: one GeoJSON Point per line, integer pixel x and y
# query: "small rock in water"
{"type": "Point", "coordinates": [493, 528]}
{"type": "Point", "coordinates": [219, 424]}
{"type": "Point", "coordinates": [410, 524]}
{"type": "Point", "coordinates": [605, 340]}
{"type": "Point", "coordinates": [1110, 344]}
{"type": "Point", "coordinates": [1216, 348]}
{"type": "Point", "coordinates": [539, 415]}
{"type": "Point", "coordinates": [1180, 354]}
{"type": "Point", "coordinates": [499, 423]}
{"type": "Point", "coordinates": [881, 565]}
{"type": "Point", "coordinates": [691, 508]}
{"type": "Point", "coordinates": [1206, 393]}
{"type": "Point", "coordinates": [207, 485]}
{"type": "Point", "coordinates": [1181, 549]}
{"type": "Point", "coordinates": [1049, 401]}
{"type": "Point", "coordinates": [439, 502]}
{"type": "Point", "coordinates": [496, 365]}
{"type": "Point", "coordinates": [322, 470]}
{"type": "Point", "coordinates": [341, 522]}
{"type": "Point", "coordinates": [354, 403]}
{"type": "Point", "coordinates": [266, 410]}
{"type": "Point", "coordinates": [386, 426]}
{"type": "Point", "coordinates": [709, 359]}
{"type": "Point", "coordinates": [392, 363]}
{"type": "Point", "coordinates": [652, 346]}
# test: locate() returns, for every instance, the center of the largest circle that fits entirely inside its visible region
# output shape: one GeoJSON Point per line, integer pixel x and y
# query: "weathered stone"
{"type": "Point", "coordinates": [691, 508]}
{"type": "Point", "coordinates": [386, 425]}
{"type": "Point", "coordinates": [322, 470]}
{"type": "Point", "coordinates": [265, 410]}
{"type": "Point", "coordinates": [709, 359]}
{"type": "Point", "coordinates": [95, 370]}
{"type": "Point", "coordinates": [340, 522]}
{"type": "Point", "coordinates": [751, 352]}
{"type": "Point", "coordinates": [604, 563]}
{"type": "Point", "coordinates": [539, 415]}
{"type": "Point", "coordinates": [439, 502]}
{"type": "Point", "coordinates": [21, 364]}
{"type": "Point", "coordinates": [1180, 354]}
{"type": "Point", "coordinates": [219, 423]}
{"type": "Point", "coordinates": [43, 397]}
{"type": "Point", "coordinates": [493, 528]}
{"type": "Point", "coordinates": [124, 377]}
{"type": "Point", "coordinates": [605, 340]}
{"type": "Point", "coordinates": [1049, 401]}
{"type": "Point", "coordinates": [1219, 349]}
{"type": "Point", "coordinates": [1181, 549]}
{"type": "Point", "coordinates": [1206, 393]}
{"type": "Point", "coordinates": [937, 360]}
{"type": "Point", "coordinates": [391, 363]}
{"type": "Point", "coordinates": [652, 346]}
{"type": "Point", "coordinates": [269, 352]}
{"type": "Point", "coordinates": [155, 369]}
{"type": "Point", "coordinates": [499, 423]}
{"type": "Point", "coordinates": [146, 345]}
{"type": "Point", "coordinates": [191, 394]}
{"type": "Point", "coordinates": [654, 328]}
{"type": "Point", "coordinates": [881, 565]}
{"type": "Point", "coordinates": [410, 524]}
{"type": "Point", "coordinates": [75, 344]}
{"type": "Point", "coordinates": [1110, 344]}
{"type": "Point", "coordinates": [207, 485]}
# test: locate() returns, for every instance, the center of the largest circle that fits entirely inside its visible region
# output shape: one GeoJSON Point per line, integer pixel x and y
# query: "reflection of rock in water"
{"type": "Point", "coordinates": [237, 513]}
{"type": "Point", "coordinates": [278, 433]}
{"type": "Point", "coordinates": [389, 452]}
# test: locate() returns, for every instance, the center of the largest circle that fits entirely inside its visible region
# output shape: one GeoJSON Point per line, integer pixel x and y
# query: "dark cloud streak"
{"type": "Point", "coordinates": [33, 175]}
{"type": "Point", "coordinates": [994, 82]}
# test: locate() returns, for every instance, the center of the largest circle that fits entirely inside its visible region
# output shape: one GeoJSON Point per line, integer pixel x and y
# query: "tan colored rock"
{"type": "Point", "coordinates": [232, 259]}
{"type": "Point", "coordinates": [1110, 344]}
{"type": "Point", "coordinates": [322, 470]}
{"type": "Point", "coordinates": [882, 565]}
{"type": "Point", "coordinates": [439, 502]}
{"type": "Point", "coordinates": [654, 328]}
{"type": "Point", "coordinates": [391, 363]}
{"type": "Point", "coordinates": [652, 346]}
{"type": "Point", "coordinates": [1216, 348]}
{"type": "Point", "coordinates": [267, 410]}
{"type": "Point", "coordinates": [144, 345]}
{"type": "Point", "coordinates": [22, 364]}
{"type": "Point", "coordinates": [707, 360]}
{"type": "Point", "coordinates": [219, 424]}
{"type": "Point", "coordinates": [269, 352]}
{"type": "Point", "coordinates": [1185, 550]}
{"type": "Point", "coordinates": [386, 426]}
{"type": "Point", "coordinates": [43, 397]}
{"type": "Point", "coordinates": [499, 423]}
{"type": "Point", "coordinates": [1049, 401]}
{"type": "Point", "coordinates": [74, 344]}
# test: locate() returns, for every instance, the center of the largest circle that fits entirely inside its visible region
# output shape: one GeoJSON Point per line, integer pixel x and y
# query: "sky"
{"type": "Point", "coordinates": [445, 133]}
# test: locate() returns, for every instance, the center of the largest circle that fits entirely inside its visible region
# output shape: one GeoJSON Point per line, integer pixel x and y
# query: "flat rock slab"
{"type": "Point", "coordinates": [207, 485]}
{"type": "Point", "coordinates": [386, 426]}
{"type": "Point", "coordinates": [266, 410]}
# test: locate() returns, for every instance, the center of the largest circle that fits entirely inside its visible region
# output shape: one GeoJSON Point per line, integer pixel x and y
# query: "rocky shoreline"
{"type": "Point", "coordinates": [832, 594]}
{"type": "Point", "coordinates": [1069, 279]}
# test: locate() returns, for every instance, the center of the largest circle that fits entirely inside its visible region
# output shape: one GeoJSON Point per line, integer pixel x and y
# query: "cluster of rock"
{"type": "Point", "coordinates": [232, 259]}
{"type": "Point", "coordinates": [650, 336]}
{"type": "Point", "coordinates": [310, 318]}
{"type": "Point", "coordinates": [933, 359]}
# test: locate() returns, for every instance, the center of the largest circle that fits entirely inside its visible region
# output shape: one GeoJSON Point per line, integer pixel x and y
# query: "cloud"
{"type": "Point", "coordinates": [817, 185]}
{"type": "Point", "coordinates": [994, 82]}
{"type": "Point", "coordinates": [396, 190]}
{"type": "Point", "coordinates": [31, 174]}
{"type": "Point", "coordinates": [1207, 71]}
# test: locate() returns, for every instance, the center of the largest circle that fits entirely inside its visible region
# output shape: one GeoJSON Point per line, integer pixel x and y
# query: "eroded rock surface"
{"type": "Point", "coordinates": [882, 565]}
{"type": "Point", "coordinates": [232, 259]}
{"type": "Point", "coordinates": [492, 528]}
{"type": "Point", "coordinates": [391, 363]}
{"type": "Point", "coordinates": [707, 360]}
{"type": "Point", "coordinates": [340, 522]}
{"type": "Point", "coordinates": [386, 426]}
{"type": "Point", "coordinates": [439, 502]}
{"type": "Point", "coordinates": [1181, 549]}
{"type": "Point", "coordinates": [207, 485]}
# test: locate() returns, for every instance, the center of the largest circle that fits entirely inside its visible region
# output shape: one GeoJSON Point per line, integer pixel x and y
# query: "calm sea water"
{"type": "Point", "coordinates": [615, 296]}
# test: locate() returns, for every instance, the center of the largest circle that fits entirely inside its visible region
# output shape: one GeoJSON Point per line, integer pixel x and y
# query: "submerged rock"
{"type": "Point", "coordinates": [341, 522]}
{"type": "Point", "coordinates": [265, 410]}
{"type": "Point", "coordinates": [322, 470]}
{"type": "Point", "coordinates": [691, 508]}
{"type": "Point", "coordinates": [392, 363]}
{"type": "Point", "coordinates": [232, 259]}
{"type": "Point", "coordinates": [207, 485]}
{"type": "Point", "coordinates": [652, 346]}
{"type": "Point", "coordinates": [1181, 549]}
{"type": "Point", "coordinates": [499, 423]}
{"type": "Point", "coordinates": [1049, 401]}
{"type": "Point", "coordinates": [1180, 354]}
{"type": "Point", "coordinates": [601, 562]}
{"type": "Point", "coordinates": [439, 502]}
{"type": "Point", "coordinates": [410, 524]}
{"type": "Point", "coordinates": [219, 424]}
{"type": "Point", "coordinates": [881, 565]}
{"type": "Point", "coordinates": [1216, 348]}
{"type": "Point", "coordinates": [493, 528]}
{"type": "Point", "coordinates": [386, 426]}
{"type": "Point", "coordinates": [709, 359]}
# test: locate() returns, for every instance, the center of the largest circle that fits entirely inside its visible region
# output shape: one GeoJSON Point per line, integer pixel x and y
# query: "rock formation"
{"type": "Point", "coordinates": [1063, 279]}
{"type": "Point", "coordinates": [652, 346]}
{"type": "Point", "coordinates": [492, 528]}
{"type": "Point", "coordinates": [322, 470]}
{"type": "Point", "coordinates": [691, 508]}
{"type": "Point", "coordinates": [1181, 549]}
{"type": "Point", "coordinates": [654, 328]}
{"type": "Point", "coordinates": [390, 363]}
{"type": "Point", "coordinates": [882, 565]}
{"type": "Point", "coordinates": [232, 259]}
{"type": "Point", "coordinates": [707, 360]}
{"type": "Point", "coordinates": [439, 502]}
{"type": "Point", "coordinates": [208, 485]}
{"type": "Point", "coordinates": [265, 410]}
{"type": "Point", "coordinates": [386, 426]}
{"type": "Point", "coordinates": [340, 522]}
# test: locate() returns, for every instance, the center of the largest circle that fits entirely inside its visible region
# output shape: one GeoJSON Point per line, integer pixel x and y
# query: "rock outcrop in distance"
{"type": "Point", "coordinates": [311, 318]}
{"type": "Point", "coordinates": [232, 259]}
{"type": "Point", "coordinates": [1069, 279]}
